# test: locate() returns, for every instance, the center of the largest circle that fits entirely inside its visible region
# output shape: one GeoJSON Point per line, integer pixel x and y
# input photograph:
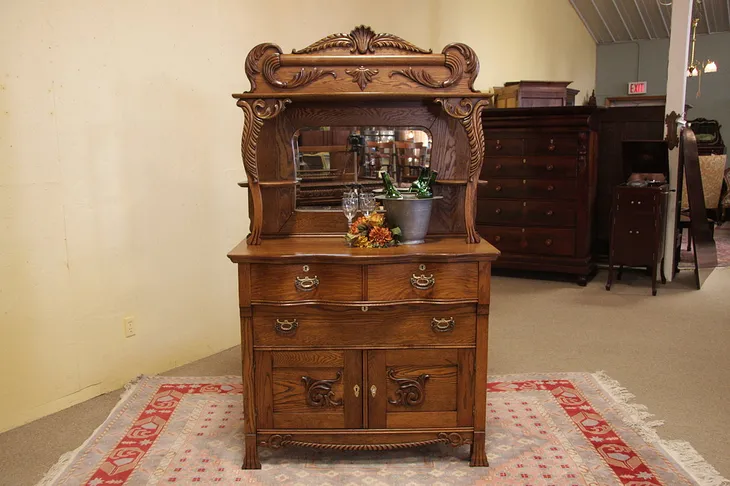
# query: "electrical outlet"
{"type": "Point", "coordinates": [129, 328]}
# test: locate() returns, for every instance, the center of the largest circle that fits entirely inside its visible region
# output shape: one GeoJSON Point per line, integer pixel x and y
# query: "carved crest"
{"type": "Point", "coordinates": [362, 76]}
{"type": "Point", "coordinates": [410, 392]}
{"type": "Point", "coordinates": [362, 40]}
{"type": "Point", "coordinates": [319, 392]}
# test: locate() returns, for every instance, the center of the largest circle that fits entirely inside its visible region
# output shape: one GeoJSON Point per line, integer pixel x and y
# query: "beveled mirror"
{"type": "Point", "coordinates": [331, 160]}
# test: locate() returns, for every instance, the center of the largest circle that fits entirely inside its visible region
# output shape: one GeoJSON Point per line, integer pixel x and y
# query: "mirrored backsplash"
{"type": "Point", "coordinates": [332, 160]}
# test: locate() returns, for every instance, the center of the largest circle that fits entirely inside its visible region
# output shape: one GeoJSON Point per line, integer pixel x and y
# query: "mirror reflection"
{"type": "Point", "coordinates": [333, 160]}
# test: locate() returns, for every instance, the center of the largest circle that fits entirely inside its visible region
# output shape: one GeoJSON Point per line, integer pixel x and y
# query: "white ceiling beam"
{"type": "Point", "coordinates": [661, 12]}
{"type": "Point", "coordinates": [643, 21]}
{"type": "Point", "coordinates": [631, 36]}
{"type": "Point", "coordinates": [604, 20]}
{"type": "Point", "coordinates": [580, 15]}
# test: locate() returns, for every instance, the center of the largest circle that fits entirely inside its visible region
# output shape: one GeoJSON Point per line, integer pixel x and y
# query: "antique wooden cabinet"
{"type": "Point", "coordinates": [362, 348]}
{"type": "Point", "coordinates": [638, 218]}
{"type": "Point", "coordinates": [537, 188]}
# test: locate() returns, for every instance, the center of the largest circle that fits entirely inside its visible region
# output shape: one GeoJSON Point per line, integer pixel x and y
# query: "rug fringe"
{"type": "Point", "coordinates": [66, 458]}
{"type": "Point", "coordinates": [637, 417]}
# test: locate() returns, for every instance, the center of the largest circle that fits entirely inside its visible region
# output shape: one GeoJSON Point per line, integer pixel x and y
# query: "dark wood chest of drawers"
{"type": "Point", "coordinates": [537, 188]}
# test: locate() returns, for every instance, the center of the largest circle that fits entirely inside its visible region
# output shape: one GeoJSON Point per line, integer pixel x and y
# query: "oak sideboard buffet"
{"type": "Point", "coordinates": [362, 348]}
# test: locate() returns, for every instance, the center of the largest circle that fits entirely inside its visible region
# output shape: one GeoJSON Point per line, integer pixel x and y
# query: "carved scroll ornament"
{"type": "Point", "coordinates": [319, 392]}
{"type": "Point", "coordinates": [271, 65]}
{"type": "Point", "coordinates": [410, 392]}
{"type": "Point", "coordinates": [455, 65]}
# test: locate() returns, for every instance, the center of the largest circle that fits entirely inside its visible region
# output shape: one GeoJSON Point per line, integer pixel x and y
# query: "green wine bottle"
{"type": "Point", "coordinates": [390, 191]}
{"type": "Point", "coordinates": [426, 190]}
{"type": "Point", "coordinates": [418, 184]}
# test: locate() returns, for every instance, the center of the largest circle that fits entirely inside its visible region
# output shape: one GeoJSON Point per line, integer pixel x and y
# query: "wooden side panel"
{"type": "Point", "coordinates": [264, 390]}
{"type": "Point", "coordinates": [465, 389]}
{"type": "Point", "coordinates": [244, 285]}
{"type": "Point", "coordinates": [480, 375]}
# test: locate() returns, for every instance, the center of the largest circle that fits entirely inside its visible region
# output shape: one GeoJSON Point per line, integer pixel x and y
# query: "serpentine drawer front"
{"type": "Point", "coordinates": [305, 282]}
{"type": "Point", "coordinates": [394, 325]}
{"type": "Point", "coordinates": [423, 281]}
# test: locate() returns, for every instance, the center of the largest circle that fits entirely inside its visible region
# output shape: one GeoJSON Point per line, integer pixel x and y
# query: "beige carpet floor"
{"type": "Point", "coordinates": [671, 351]}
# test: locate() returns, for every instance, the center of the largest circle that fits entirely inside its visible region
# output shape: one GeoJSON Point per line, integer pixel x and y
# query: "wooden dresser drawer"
{"type": "Point", "coordinates": [423, 281]}
{"type": "Point", "coordinates": [396, 325]}
{"type": "Point", "coordinates": [527, 188]}
{"type": "Point", "coordinates": [526, 212]}
{"type": "Point", "coordinates": [539, 241]}
{"type": "Point", "coordinates": [635, 202]}
{"type": "Point", "coordinates": [548, 144]}
{"type": "Point", "coordinates": [532, 166]}
{"type": "Point", "coordinates": [503, 146]}
{"type": "Point", "coordinates": [315, 281]}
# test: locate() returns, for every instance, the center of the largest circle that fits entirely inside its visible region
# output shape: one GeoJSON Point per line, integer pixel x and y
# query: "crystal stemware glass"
{"type": "Point", "coordinates": [349, 205]}
{"type": "Point", "coordinates": [367, 202]}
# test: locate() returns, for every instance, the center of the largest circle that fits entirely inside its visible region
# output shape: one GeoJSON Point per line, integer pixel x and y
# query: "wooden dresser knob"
{"type": "Point", "coordinates": [551, 147]}
{"type": "Point", "coordinates": [498, 167]}
{"type": "Point", "coordinates": [498, 211]}
{"type": "Point", "coordinates": [548, 242]}
{"type": "Point", "coordinates": [498, 188]}
{"type": "Point", "coordinates": [550, 187]}
{"type": "Point", "coordinates": [550, 167]}
{"type": "Point", "coordinates": [498, 145]}
{"type": "Point", "coordinates": [549, 212]}
{"type": "Point", "coordinates": [497, 239]}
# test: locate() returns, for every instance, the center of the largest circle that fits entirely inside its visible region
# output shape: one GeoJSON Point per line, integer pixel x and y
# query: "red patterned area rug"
{"type": "Point", "coordinates": [556, 429]}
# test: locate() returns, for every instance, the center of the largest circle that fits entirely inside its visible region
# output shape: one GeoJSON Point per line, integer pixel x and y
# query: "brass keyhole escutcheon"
{"type": "Point", "coordinates": [373, 391]}
{"type": "Point", "coordinates": [364, 308]}
{"type": "Point", "coordinates": [422, 267]}
{"type": "Point", "coordinates": [305, 268]}
{"type": "Point", "coordinates": [356, 390]}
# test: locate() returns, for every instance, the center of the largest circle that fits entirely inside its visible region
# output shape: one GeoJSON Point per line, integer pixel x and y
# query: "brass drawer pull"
{"type": "Point", "coordinates": [498, 188]}
{"type": "Point", "coordinates": [306, 284]}
{"type": "Point", "coordinates": [549, 212]}
{"type": "Point", "coordinates": [524, 161]}
{"type": "Point", "coordinates": [551, 147]}
{"type": "Point", "coordinates": [442, 325]}
{"type": "Point", "coordinates": [498, 146]}
{"type": "Point", "coordinates": [550, 187]}
{"type": "Point", "coordinates": [285, 327]}
{"type": "Point", "coordinates": [498, 211]}
{"type": "Point", "coordinates": [550, 167]}
{"type": "Point", "coordinates": [498, 167]}
{"type": "Point", "coordinates": [422, 282]}
{"type": "Point", "coordinates": [548, 242]}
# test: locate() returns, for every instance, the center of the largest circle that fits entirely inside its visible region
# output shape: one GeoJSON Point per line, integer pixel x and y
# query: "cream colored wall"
{"type": "Point", "coordinates": [119, 161]}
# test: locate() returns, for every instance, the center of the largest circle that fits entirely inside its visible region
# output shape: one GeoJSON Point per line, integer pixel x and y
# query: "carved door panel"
{"type": "Point", "coordinates": [309, 389]}
{"type": "Point", "coordinates": [420, 388]}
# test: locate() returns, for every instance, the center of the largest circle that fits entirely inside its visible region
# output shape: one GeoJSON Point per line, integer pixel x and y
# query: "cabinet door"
{"type": "Point", "coordinates": [308, 389]}
{"type": "Point", "coordinates": [420, 388]}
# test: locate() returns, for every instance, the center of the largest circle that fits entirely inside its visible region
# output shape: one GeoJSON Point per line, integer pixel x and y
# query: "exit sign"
{"type": "Point", "coordinates": [637, 88]}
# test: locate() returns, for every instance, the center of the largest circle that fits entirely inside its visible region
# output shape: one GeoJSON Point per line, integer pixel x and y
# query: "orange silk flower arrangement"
{"type": "Point", "coordinates": [372, 232]}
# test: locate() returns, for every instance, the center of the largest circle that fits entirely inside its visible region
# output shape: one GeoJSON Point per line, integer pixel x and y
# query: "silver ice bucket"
{"type": "Point", "coordinates": [411, 215]}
